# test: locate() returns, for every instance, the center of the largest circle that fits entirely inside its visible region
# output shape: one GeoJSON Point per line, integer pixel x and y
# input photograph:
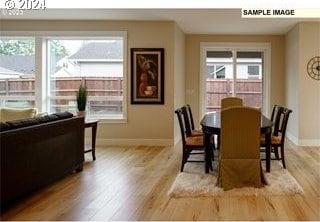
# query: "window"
{"type": "Point", "coordinates": [216, 71]}
{"type": "Point", "coordinates": [234, 69]}
{"type": "Point", "coordinates": [17, 69]}
{"type": "Point", "coordinates": [253, 72]}
{"type": "Point", "coordinates": [54, 66]}
{"type": "Point", "coordinates": [95, 63]}
{"type": "Point", "coordinates": [220, 72]}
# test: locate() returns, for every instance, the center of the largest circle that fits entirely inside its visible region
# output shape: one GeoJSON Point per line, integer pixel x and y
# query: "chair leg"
{"type": "Point", "coordinates": [212, 154]}
{"type": "Point", "coordinates": [213, 147]}
{"type": "Point", "coordinates": [276, 153]}
{"type": "Point", "coordinates": [212, 141]}
{"type": "Point", "coordinates": [182, 165]}
{"type": "Point", "coordinates": [184, 160]}
{"type": "Point", "coordinates": [282, 156]}
{"type": "Point", "coordinates": [185, 157]}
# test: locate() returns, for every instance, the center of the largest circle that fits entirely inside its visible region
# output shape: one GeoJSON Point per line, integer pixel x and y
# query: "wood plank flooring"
{"type": "Point", "coordinates": [131, 183]}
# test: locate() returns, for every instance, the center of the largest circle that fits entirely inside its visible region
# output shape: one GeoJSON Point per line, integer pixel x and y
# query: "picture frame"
{"type": "Point", "coordinates": [147, 75]}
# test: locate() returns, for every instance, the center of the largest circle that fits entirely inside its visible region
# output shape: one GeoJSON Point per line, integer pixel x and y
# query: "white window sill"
{"type": "Point", "coordinates": [109, 119]}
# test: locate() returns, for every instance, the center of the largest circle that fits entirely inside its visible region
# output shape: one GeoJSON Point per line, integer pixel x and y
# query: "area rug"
{"type": "Point", "coordinates": [193, 182]}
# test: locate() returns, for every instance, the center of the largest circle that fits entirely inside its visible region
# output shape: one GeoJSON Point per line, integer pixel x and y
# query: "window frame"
{"type": "Point", "coordinates": [41, 62]}
{"type": "Point", "coordinates": [265, 47]}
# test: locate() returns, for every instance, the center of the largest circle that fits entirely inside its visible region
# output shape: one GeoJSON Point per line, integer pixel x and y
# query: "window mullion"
{"type": "Point", "coordinates": [234, 66]}
{"type": "Point", "coordinates": [40, 74]}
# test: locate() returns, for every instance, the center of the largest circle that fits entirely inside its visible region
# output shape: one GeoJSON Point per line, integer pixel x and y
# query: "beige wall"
{"type": "Point", "coordinates": [193, 65]}
{"type": "Point", "coordinates": [309, 123]}
{"type": "Point", "coordinates": [179, 77]}
{"type": "Point", "coordinates": [292, 80]}
{"type": "Point", "coordinates": [147, 124]}
{"type": "Point", "coordinates": [303, 43]}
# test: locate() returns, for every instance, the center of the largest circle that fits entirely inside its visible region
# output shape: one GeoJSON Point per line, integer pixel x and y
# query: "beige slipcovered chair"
{"type": "Point", "coordinates": [239, 160]}
{"type": "Point", "coordinates": [231, 101]}
{"type": "Point", "coordinates": [226, 103]}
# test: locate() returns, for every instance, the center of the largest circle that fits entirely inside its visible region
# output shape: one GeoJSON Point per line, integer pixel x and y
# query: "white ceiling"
{"type": "Point", "coordinates": [200, 21]}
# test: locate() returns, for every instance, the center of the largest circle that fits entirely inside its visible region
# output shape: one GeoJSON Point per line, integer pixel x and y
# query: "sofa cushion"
{"type": "Point", "coordinates": [64, 115]}
{"type": "Point", "coordinates": [53, 117]}
{"type": "Point", "coordinates": [14, 124]}
{"type": "Point", "coordinates": [4, 126]}
{"type": "Point", "coordinates": [9, 114]}
{"type": "Point", "coordinates": [47, 118]}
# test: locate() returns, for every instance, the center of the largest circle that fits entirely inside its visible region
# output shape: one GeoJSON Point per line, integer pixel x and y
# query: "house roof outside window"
{"type": "Point", "coordinates": [23, 65]}
{"type": "Point", "coordinates": [99, 51]}
{"type": "Point", "coordinates": [15, 66]}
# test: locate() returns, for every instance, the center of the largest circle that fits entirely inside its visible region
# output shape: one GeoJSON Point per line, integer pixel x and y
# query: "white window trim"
{"type": "Point", "coordinates": [41, 81]}
{"type": "Point", "coordinates": [230, 46]}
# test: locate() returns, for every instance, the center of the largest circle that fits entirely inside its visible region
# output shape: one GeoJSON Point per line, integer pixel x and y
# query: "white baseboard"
{"type": "Point", "coordinates": [302, 142]}
{"type": "Point", "coordinates": [309, 143]}
{"type": "Point", "coordinates": [134, 142]}
{"type": "Point", "coordinates": [177, 139]}
{"type": "Point", "coordinates": [292, 138]}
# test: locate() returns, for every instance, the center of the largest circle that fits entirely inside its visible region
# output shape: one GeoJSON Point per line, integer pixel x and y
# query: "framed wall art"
{"type": "Point", "coordinates": [147, 76]}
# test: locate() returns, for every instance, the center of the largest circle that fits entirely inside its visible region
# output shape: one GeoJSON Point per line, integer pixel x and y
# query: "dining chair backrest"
{"type": "Point", "coordinates": [240, 148]}
{"type": "Point", "coordinates": [190, 116]}
{"type": "Point", "coordinates": [180, 117]}
{"type": "Point", "coordinates": [274, 112]}
{"type": "Point", "coordinates": [276, 118]}
{"type": "Point", "coordinates": [281, 122]}
{"type": "Point", "coordinates": [231, 101]}
{"type": "Point", "coordinates": [240, 132]}
{"type": "Point", "coordinates": [187, 122]}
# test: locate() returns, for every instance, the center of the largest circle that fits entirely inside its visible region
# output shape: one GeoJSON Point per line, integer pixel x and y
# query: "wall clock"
{"type": "Point", "coordinates": [313, 68]}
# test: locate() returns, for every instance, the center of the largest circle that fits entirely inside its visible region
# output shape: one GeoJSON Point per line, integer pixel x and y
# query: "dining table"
{"type": "Point", "coordinates": [211, 125]}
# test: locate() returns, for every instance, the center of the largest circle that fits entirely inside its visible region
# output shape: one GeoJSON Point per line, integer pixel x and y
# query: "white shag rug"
{"type": "Point", "coordinates": [193, 182]}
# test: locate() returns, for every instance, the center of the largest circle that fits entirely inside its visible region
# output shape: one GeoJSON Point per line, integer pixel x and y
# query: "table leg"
{"type": "Point", "coordinates": [94, 134]}
{"type": "Point", "coordinates": [268, 150]}
{"type": "Point", "coordinates": [208, 152]}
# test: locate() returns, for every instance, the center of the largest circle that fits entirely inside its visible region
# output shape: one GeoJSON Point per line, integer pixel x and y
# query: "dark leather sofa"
{"type": "Point", "coordinates": [38, 151]}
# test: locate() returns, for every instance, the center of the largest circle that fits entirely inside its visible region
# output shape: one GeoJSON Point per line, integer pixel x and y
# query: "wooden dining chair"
{"type": "Point", "coordinates": [191, 131]}
{"type": "Point", "coordinates": [231, 101]}
{"type": "Point", "coordinates": [239, 162]}
{"type": "Point", "coordinates": [191, 145]}
{"type": "Point", "coordinates": [280, 117]}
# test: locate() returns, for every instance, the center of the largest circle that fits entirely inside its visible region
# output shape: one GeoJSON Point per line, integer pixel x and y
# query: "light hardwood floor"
{"type": "Point", "coordinates": [131, 183]}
